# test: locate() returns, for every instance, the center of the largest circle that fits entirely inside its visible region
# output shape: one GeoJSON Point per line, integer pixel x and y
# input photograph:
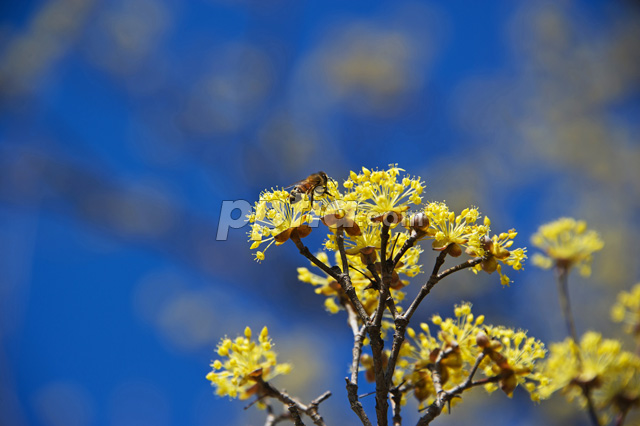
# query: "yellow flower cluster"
{"type": "Point", "coordinates": [381, 192]}
{"type": "Point", "coordinates": [370, 199]}
{"type": "Point", "coordinates": [611, 374]}
{"type": "Point", "coordinates": [509, 356]}
{"type": "Point", "coordinates": [566, 243]}
{"type": "Point", "coordinates": [627, 310]}
{"type": "Point", "coordinates": [448, 228]}
{"type": "Point", "coordinates": [244, 362]}
{"type": "Point", "coordinates": [452, 231]}
{"type": "Point", "coordinates": [274, 220]}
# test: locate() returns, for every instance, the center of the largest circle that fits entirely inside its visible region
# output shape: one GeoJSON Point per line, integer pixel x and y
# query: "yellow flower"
{"type": "Point", "coordinates": [627, 310]}
{"type": "Point", "coordinates": [566, 243]}
{"type": "Point", "coordinates": [611, 374]}
{"type": "Point", "coordinates": [448, 228]}
{"type": "Point", "coordinates": [243, 362]}
{"type": "Point", "coordinates": [508, 353]}
{"type": "Point", "coordinates": [275, 220]}
{"type": "Point", "coordinates": [495, 251]}
{"type": "Point", "coordinates": [381, 192]}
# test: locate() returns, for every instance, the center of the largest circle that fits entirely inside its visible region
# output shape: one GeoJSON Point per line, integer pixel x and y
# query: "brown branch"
{"type": "Point", "coordinates": [295, 415]}
{"type": "Point", "coordinates": [563, 295]}
{"type": "Point", "coordinates": [410, 242]}
{"type": "Point", "coordinates": [474, 369]}
{"type": "Point", "coordinates": [392, 308]}
{"type": "Point", "coordinates": [468, 264]}
{"type": "Point", "coordinates": [343, 252]}
{"type": "Point", "coordinates": [398, 338]}
{"type": "Point", "coordinates": [273, 420]}
{"type": "Point", "coordinates": [295, 406]}
{"type": "Point", "coordinates": [356, 405]}
{"type": "Point", "coordinates": [377, 346]}
{"type": "Point", "coordinates": [374, 330]}
{"type": "Point", "coordinates": [306, 253]}
{"type": "Point", "coordinates": [426, 288]}
{"type": "Point", "coordinates": [315, 404]}
{"type": "Point", "coordinates": [396, 403]}
{"type": "Point", "coordinates": [343, 279]}
{"type": "Point", "coordinates": [591, 408]}
{"type": "Point", "coordinates": [352, 385]}
{"type": "Point", "coordinates": [562, 275]}
{"type": "Point", "coordinates": [444, 397]}
{"type": "Point", "coordinates": [372, 268]}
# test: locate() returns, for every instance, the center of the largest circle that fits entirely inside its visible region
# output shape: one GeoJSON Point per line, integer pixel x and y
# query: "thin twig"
{"type": "Point", "coordinates": [591, 408]}
{"type": "Point", "coordinates": [352, 383]}
{"type": "Point", "coordinates": [378, 282]}
{"type": "Point", "coordinates": [343, 279]}
{"type": "Point", "coordinates": [295, 415]}
{"type": "Point", "coordinates": [356, 405]}
{"type": "Point", "coordinates": [562, 274]}
{"type": "Point", "coordinates": [304, 250]}
{"type": "Point", "coordinates": [468, 264]}
{"type": "Point", "coordinates": [372, 281]}
{"type": "Point", "coordinates": [443, 398]}
{"type": "Point", "coordinates": [474, 369]}
{"type": "Point", "coordinates": [311, 410]}
{"type": "Point", "coordinates": [343, 252]}
{"type": "Point", "coordinates": [410, 242]}
{"type": "Point", "coordinates": [563, 295]}
{"type": "Point", "coordinates": [426, 288]}
{"type": "Point", "coordinates": [273, 420]}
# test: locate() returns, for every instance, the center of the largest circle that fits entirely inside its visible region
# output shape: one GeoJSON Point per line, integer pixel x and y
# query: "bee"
{"type": "Point", "coordinates": [314, 184]}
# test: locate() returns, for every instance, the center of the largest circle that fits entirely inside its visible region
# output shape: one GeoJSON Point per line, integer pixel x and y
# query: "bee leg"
{"type": "Point", "coordinates": [311, 201]}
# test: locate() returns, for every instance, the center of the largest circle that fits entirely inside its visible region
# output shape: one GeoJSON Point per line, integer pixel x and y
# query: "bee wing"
{"type": "Point", "coordinates": [303, 182]}
{"type": "Point", "coordinates": [300, 182]}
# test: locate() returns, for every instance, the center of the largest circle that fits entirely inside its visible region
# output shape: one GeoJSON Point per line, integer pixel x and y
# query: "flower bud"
{"type": "Point", "coordinates": [486, 242]}
{"type": "Point", "coordinates": [489, 265]}
{"type": "Point", "coordinates": [454, 250]}
{"type": "Point", "coordinates": [419, 222]}
{"type": "Point", "coordinates": [482, 339]}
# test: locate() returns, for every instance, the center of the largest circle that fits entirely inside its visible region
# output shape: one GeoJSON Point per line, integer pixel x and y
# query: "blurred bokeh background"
{"type": "Point", "coordinates": [125, 124]}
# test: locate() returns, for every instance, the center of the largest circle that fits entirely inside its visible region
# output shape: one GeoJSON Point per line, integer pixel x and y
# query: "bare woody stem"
{"type": "Point", "coordinates": [562, 274]}
{"type": "Point", "coordinates": [358, 333]}
{"type": "Point", "coordinates": [396, 401]}
{"type": "Point", "coordinates": [272, 419]}
{"type": "Point", "coordinates": [374, 330]}
{"type": "Point", "coordinates": [426, 288]}
{"type": "Point", "coordinates": [352, 383]}
{"type": "Point", "coordinates": [342, 278]}
{"type": "Point", "coordinates": [295, 415]}
{"type": "Point", "coordinates": [410, 242]}
{"type": "Point", "coordinates": [295, 406]}
{"type": "Point", "coordinates": [563, 294]}
{"type": "Point", "coordinates": [444, 397]}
